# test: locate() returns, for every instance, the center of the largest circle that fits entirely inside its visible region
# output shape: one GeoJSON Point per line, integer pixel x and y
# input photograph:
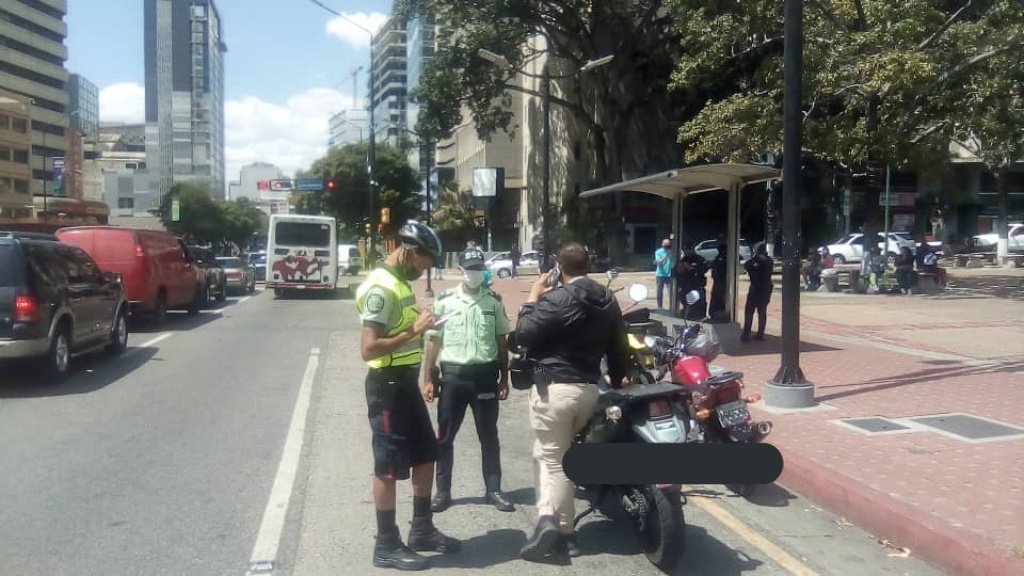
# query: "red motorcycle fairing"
{"type": "Point", "coordinates": [689, 371]}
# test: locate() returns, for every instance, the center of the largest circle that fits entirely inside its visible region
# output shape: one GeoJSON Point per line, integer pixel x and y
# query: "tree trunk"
{"type": "Point", "coordinates": [1003, 224]}
{"type": "Point", "coordinates": [876, 181]}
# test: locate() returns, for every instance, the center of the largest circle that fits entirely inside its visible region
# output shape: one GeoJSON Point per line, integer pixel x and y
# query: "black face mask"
{"type": "Point", "coordinates": [411, 273]}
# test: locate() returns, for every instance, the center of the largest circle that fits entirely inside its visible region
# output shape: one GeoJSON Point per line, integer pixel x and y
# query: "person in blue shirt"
{"type": "Point", "coordinates": [663, 262]}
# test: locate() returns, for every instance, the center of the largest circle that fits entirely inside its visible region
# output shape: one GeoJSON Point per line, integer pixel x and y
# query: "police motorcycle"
{"type": "Point", "coordinates": [647, 412]}
{"type": "Point", "coordinates": [717, 406]}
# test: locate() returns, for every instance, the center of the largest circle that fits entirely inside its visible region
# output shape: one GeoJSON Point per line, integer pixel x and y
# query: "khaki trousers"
{"type": "Point", "coordinates": [556, 418]}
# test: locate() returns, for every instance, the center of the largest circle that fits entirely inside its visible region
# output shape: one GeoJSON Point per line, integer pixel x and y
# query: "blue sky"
{"type": "Point", "coordinates": [288, 68]}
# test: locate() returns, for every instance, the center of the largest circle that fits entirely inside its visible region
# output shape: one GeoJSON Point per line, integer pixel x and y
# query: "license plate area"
{"type": "Point", "coordinates": [733, 413]}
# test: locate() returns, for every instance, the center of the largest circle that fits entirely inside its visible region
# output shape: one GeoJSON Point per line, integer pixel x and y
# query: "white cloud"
{"type": "Point", "coordinates": [290, 136]}
{"type": "Point", "coordinates": [125, 102]}
{"type": "Point", "coordinates": [344, 29]}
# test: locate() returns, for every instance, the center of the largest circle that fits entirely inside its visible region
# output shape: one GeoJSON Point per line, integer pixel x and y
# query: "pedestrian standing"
{"type": "Point", "coordinates": [516, 255]}
{"type": "Point", "coordinates": [472, 348]}
{"type": "Point", "coordinates": [663, 269]}
{"type": "Point", "coordinates": [691, 274]}
{"type": "Point", "coordinates": [759, 269]}
{"type": "Point", "coordinates": [719, 271]}
{"type": "Point", "coordinates": [403, 435]}
{"type": "Point", "coordinates": [567, 330]}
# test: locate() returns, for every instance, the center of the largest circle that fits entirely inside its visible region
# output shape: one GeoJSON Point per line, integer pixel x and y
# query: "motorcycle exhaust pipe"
{"type": "Point", "coordinates": [763, 428]}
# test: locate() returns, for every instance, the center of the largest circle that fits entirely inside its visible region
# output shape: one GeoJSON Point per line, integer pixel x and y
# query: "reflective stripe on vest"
{"type": "Point", "coordinates": [411, 353]}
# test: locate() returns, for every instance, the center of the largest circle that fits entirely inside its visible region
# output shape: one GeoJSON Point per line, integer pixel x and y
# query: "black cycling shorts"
{"type": "Point", "coordinates": [403, 435]}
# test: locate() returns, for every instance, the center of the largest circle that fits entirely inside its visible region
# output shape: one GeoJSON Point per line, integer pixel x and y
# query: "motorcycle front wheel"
{"type": "Point", "coordinates": [659, 525]}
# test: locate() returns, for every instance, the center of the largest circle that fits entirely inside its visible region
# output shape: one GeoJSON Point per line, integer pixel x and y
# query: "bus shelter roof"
{"type": "Point", "coordinates": [681, 182]}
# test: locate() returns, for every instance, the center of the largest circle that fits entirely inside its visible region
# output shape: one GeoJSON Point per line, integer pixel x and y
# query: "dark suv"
{"type": "Point", "coordinates": [216, 279]}
{"type": "Point", "coordinates": [55, 304]}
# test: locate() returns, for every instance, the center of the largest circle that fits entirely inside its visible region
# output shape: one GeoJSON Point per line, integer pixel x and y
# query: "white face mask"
{"type": "Point", "coordinates": [473, 278]}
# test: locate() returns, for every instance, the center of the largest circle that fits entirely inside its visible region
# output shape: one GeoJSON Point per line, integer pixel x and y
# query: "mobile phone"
{"type": "Point", "coordinates": [554, 276]}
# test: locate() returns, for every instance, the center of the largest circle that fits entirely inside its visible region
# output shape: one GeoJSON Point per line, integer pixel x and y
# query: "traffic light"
{"type": "Point", "coordinates": [368, 228]}
{"type": "Point", "coordinates": [385, 215]}
{"type": "Point", "coordinates": [330, 184]}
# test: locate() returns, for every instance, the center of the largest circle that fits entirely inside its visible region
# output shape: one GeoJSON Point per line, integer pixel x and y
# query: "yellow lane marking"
{"type": "Point", "coordinates": [780, 556]}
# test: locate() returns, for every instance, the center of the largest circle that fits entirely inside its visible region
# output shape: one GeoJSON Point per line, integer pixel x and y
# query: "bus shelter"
{"type": "Point", "coordinates": [677, 184]}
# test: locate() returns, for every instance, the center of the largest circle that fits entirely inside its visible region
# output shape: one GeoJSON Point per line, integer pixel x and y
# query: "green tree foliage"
{"type": "Point", "coordinates": [884, 81]}
{"type": "Point", "coordinates": [201, 219]}
{"type": "Point", "coordinates": [242, 219]}
{"type": "Point", "coordinates": [398, 188]}
{"type": "Point", "coordinates": [455, 216]}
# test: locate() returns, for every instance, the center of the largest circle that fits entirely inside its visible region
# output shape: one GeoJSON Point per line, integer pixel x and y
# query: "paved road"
{"type": "Point", "coordinates": [195, 452]}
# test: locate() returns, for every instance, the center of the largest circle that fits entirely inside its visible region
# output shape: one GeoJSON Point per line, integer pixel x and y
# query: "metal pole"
{"type": "Point", "coordinates": [789, 389]}
{"type": "Point", "coordinates": [372, 157]}
{"type": "Point", "coordinates": [885, 235]}
{"type": "Point", "coordinates": [430, 290]}
{"type": "Point", "coordinates": [546, 195]}
{"type": "Point", "coordinates": [46, 217]}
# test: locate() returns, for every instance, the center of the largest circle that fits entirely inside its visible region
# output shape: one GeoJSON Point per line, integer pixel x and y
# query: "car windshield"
{"type": "Point", "coordinates": [846, 239]}
{"type": "Point", "coordinates": [6, 265]}
{"type": "Point", "coordinates": [230, 262]}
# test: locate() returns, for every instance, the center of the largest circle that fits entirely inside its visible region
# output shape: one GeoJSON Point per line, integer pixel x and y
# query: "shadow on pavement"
{"type": "Point", "coordinates": [176, 321]}
{"type": "Point", "coordinates": [489, 549]}
{"type": "Point", "coordinates": [926, 376]}
{"type": "Point", "coordinates": [88, 374]}
{"type": "Point", "coordinates": [773, 345]}
{"type": "Point", "coordinates": [765, 495]}
{"type": "Point", "coordinates": [1009, 286]}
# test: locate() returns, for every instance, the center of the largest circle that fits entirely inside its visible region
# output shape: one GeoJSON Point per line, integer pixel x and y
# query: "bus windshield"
{"type": "Point", "coordinates": [304, 234]}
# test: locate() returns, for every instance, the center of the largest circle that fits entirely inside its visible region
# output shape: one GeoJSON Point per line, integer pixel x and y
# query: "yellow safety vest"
{"type": "Point", "coordinates": [411, 353]}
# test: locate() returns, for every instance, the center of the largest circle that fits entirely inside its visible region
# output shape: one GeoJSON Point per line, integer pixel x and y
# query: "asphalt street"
{"type": "Point", "coordinates": [236, 443]}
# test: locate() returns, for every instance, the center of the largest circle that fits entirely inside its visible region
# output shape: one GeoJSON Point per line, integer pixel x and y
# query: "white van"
{"type": "Point", "coordinates": [302, 253]}
{"type": "Point", "coordinates": [349, 260]}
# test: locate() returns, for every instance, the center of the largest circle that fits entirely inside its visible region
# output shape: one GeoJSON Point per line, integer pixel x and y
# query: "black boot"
{"type": "Point", "coordinates": [544, 545]}
{"type": "Point", "coordinates": [390, 552]}
{"type": "Point", "coordinates": [424, 537]}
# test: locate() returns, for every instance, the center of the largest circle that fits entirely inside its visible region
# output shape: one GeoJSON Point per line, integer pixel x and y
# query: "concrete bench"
{"type": "Point", "coordinates": [849, 277]}
{"type": "Point", "coordinates": [927, 283]}
{"type": "Point", "coordinates": [1014, 260]}
{"type": "Point", "coordinates": [970, 260]}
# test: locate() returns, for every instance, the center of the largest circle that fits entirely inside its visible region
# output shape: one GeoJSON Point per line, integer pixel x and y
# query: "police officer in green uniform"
{"type": "Point", "coordinates": [403, 435]}
{"type": "Point", "coordinates": [471, 346]}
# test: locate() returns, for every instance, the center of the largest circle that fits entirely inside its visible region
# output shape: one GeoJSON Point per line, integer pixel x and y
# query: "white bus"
{"type": "Point", "coordinates": [302, 253]}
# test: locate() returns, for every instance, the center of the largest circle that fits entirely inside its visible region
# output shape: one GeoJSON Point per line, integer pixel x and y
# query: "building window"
{"type": "Point", "coordinates": [128, 202]}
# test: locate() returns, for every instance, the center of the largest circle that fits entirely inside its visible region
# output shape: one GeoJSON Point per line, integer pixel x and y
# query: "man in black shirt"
{"type": "Point", "coordinates": [691, 274]}
{"type": "Point", "coordinates": [759, 269]}
{"type": "Point", "coordinates": [567, 330]}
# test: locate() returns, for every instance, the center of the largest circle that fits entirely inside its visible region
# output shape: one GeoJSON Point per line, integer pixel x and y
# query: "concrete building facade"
{"type": "Point", "coordinates": [348, 127]}
{"type": "Point", "coordinates": [15, 147]}
{"type": "Point", "coordinates": [184, 63]}
{"type": "Point", "coordinates": [388, 91]}
{"type": "Point", "coordinates": [84, 105]}
{"type": "Point", "coordinates": [32, 65]}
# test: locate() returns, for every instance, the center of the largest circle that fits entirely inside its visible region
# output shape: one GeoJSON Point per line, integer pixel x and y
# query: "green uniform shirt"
{"type": "Point", "coordinates": [469, 337]}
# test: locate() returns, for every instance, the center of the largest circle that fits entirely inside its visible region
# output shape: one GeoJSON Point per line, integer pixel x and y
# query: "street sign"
{"type": "Point", "coordinates": [281, 185]}
{"type": "Point", "coordinates": [175, 210]}
{"type": "Point", "coordinates": [308, 185]}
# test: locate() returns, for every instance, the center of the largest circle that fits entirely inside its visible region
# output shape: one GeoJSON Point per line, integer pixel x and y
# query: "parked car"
{"type": "Point", "coordinates": [157, 269]}
{"type": "Point", "coordinates": [500, 264]}
{"type": "Point", "coordinates": [349, 260]}
{"type": "Point", "coordinates": [988, 242]}
{"type": "Point", "coordinates": [708, 249]}
{"type": "Point", "coordinates": [216, 279]}
{"type": "Point", "coordinates": [56, 304]}
{"type": "Point", "coordinates": [850, 248]}
{"type": "Point", "coordinates": [239, 275]}
{"type": "Point", "coordinates": [258, 260]}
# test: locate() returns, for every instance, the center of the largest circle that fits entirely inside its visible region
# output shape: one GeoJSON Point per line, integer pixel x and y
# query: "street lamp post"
{"type": "Point", "coordinates": [503, 62]}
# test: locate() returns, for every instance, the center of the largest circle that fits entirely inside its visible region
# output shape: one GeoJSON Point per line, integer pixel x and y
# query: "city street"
{"type": "Point", "coordinates": [240, 435]}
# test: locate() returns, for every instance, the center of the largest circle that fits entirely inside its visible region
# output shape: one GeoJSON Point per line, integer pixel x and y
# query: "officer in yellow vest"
{"type": "Point", "coordinates": [403, 435]}
{"type": "Point", "coordinates": [471, 347]}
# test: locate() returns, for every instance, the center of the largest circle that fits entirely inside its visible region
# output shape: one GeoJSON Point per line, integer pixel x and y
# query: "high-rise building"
{"type": "Point", "coordinates": [84, 105]}
{"type": "Point", "coordinates": [420, 45]}
{"type": "Point", "coordinates": [32, 66]}
{"type": "Point", "coordinates": [388, 92]}
{"type": "Point", "coordinates": [184, 56]}
{"type": "Point", "coordinates": [348, 127]}
{"type": "Point", "coordinates": [15, 168]}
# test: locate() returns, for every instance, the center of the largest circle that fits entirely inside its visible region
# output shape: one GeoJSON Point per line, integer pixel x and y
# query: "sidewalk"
{"type": "Point", "coordinates": [954, 498]}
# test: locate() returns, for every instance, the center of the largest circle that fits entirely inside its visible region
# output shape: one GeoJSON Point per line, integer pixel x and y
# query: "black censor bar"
{"type": "Point", "coordinates": [697, 463]}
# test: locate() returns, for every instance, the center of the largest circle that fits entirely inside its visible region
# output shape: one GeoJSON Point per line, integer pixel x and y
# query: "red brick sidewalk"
{"type": "Point", "coordinates": [955, 503]}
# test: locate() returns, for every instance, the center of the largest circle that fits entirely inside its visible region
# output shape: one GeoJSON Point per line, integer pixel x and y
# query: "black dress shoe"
{"type": "Point", "coordinates": [543, 546]}
{"type": "Point", "coordinates": [424, 537]}
{"type": "Point", "coordinates": [499, 501]}
{"type": "Point", "coordinates": [441, 502]}
{"type": "Point", "coordinates": [390, 552]}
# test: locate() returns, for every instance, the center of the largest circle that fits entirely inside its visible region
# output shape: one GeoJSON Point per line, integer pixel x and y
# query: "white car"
{"type": "Point", "coordinates": [850, 248]}
{"type": "Point", "coordinates": [1015, 240]}
{"type": "Point", "coordinates": [708, 250]}
{"type": "Point", "coordinates": [500, 264]}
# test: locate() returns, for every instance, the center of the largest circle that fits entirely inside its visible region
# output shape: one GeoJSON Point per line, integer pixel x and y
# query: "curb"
{"type": "Point", "coordinates": [928, 537]}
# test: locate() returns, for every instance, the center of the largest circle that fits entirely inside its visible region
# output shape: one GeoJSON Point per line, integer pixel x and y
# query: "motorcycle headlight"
{"type": "Point", "coordinates": [613, 413]}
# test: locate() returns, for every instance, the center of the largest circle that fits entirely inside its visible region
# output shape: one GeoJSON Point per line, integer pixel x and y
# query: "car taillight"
{"type": "Point", "coordinates": [26, 309]}
{"type": "Point", "coordinates": [658, 409]}
{"type": "Point", "coordinates": [139, 252]}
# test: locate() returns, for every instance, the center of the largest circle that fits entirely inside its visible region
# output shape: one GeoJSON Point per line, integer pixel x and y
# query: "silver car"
{"type": "Point", "coordinates": [238, 275]}
{"type": "Point", "coordinates": [708, 250]}
{"type": "Point", "coordinates": [500, 264]}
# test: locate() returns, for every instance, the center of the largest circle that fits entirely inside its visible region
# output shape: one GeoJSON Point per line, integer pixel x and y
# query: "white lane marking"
{"type": "Point", "coordinates": [242, 299]}
{"type": "Point", "coordinates": [155, 341]}
{"type": "Point", "coordinates": [264, 552]}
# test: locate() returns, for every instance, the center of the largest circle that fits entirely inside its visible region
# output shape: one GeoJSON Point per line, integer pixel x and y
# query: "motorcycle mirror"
{"type": "Point", "coordinates": [650, 341]}
{"type": "Point", "coordinates": [692, 297]}
{"type": "Point", "coordinates": [638, 292]}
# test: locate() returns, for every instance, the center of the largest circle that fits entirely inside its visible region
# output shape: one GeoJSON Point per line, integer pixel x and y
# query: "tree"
{"type": "Point", "coordinates": [201, 219]}
{"type": "Point", "coordinates": [242, 219]}
{"type": "Point", "coordinates": [397, 188]}
{"type": "Point", "coordinates": [455, 216]}
{"type": "Point", "coordinates": [626, 112]}
{"type": "Point", "coordinates": [883, 80]}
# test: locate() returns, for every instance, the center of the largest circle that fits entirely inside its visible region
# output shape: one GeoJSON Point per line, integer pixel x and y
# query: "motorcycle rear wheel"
{"type": "Point", "coordinates": [662, 537]}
